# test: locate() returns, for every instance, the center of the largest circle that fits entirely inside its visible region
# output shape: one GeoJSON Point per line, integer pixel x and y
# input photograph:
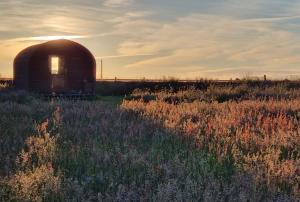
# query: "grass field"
{"type": "Point", "coordinates": [231, 143]}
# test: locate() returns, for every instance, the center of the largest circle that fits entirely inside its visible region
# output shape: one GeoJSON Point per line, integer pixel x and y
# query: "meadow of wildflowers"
{"type": "Point", "coordinates": [161, 146]}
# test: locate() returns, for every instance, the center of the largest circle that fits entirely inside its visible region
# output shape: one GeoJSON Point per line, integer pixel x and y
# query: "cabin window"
{"type": "Point", "coordinates": [54, 63]}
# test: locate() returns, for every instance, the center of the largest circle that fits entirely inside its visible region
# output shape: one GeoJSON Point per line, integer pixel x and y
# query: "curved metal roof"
{"type": "Point", "coordinates": [61, 45]}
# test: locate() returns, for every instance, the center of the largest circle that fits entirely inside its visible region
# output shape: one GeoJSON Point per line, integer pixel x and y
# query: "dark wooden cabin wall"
{"type": "Point", "coordinates": [39, 74]}
{"type": "Point", "coordinates": [21, 74]}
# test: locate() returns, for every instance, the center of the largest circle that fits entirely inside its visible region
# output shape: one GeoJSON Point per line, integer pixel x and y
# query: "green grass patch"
{"type": "Point", "coordinates": [114, 100]}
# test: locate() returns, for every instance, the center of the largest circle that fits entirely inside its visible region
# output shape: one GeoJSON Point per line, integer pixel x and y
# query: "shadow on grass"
{"type": "Point", "coordinates": [106, 153]}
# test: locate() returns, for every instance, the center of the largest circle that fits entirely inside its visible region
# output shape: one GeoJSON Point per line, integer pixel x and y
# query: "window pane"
{"type": "Point", "coordinates": [54, 65]}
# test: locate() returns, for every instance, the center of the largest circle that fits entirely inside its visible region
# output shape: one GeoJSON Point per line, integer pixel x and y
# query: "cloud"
{"type": "Point", "coordinates": [55, 37]}
{"type": "Point", "coordinates": [39, 18]}
{"type": "Point", "coordinates": [123, 56]}
{"type": "Point", "coordinates": [45, 38]}
{"type": "Point", "coordinates": [200, 42]}
{"type": "Point", "coordinates": [272, 19]}
{"type": "Point", "coordinates": [116, 3]}
{"type": "Point", "coordinates": [189, 37]}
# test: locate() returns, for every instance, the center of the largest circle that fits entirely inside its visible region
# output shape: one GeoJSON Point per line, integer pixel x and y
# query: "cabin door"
{"type": "Point", "coordinates": [58, 83]}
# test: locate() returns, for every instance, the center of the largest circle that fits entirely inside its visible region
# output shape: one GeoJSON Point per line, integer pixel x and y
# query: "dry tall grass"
{"type": "Point", "coordinates": [261, 138]}
{"type": "Point", "coordinates": [155, 151]}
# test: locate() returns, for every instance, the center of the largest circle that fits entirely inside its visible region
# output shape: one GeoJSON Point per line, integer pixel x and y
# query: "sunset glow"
{"type": "Point", "coordinates": [136, 39]}
{"type": "Point", "coordinates": [149, 100]}
{"type": "Point", "coordinates": [48, 38]}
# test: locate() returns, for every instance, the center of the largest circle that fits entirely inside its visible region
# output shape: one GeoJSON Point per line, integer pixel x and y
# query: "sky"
{"type": "Point", "coordinates": [190, 39]}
